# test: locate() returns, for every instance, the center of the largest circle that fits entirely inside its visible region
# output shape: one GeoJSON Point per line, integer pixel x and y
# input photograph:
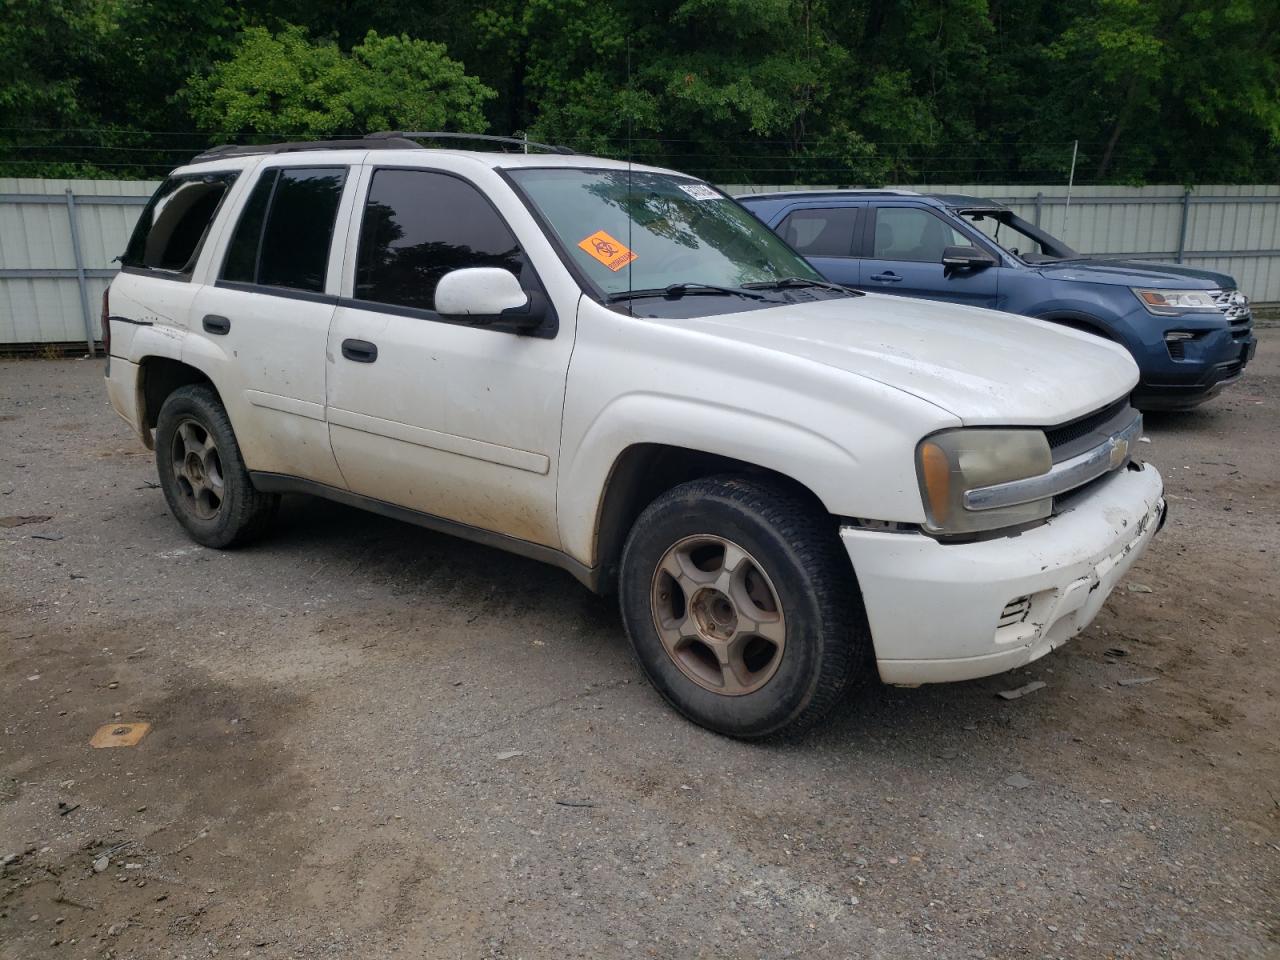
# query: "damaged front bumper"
{"type": "Point", "coordinates": [955, 611]}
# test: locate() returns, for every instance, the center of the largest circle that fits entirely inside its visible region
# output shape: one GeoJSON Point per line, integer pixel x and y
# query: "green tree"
{"type": "Point", "coordinates": [1186, 88]}
{"type": "Point", "coordinates": [288, 84]}
{"type": "Point", "coordinates": [770, 91]}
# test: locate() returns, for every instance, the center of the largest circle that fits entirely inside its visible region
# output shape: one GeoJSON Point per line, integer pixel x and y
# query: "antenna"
{"type": "Point", "coordinates": [630, 212]}
{"type": "Point", "coordinates": [1066, 216]}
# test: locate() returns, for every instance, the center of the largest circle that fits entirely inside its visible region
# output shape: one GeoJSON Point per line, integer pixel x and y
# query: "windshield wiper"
{"type": "Point", "coordinates": [676, 290]}
{"type": "Point", "coordinates": [787, 283]}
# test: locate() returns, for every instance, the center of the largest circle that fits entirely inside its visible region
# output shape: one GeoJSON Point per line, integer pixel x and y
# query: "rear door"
{"type": "Point", "coordinates": [904, 245]}
{"type": "Point", "coordinates": [265, 321]}
{"type": "Point", "coordinates": [826, 236]}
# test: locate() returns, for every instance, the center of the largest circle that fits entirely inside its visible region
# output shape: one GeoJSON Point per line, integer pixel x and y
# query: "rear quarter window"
{"type": "Point", "coordinates": [175, 222]}
{"type": "Point", "coordinates": [285, 229]}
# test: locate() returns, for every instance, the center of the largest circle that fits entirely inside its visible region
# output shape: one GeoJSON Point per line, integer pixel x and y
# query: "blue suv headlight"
{"type": "Point", "coordinates": [1168, 303]}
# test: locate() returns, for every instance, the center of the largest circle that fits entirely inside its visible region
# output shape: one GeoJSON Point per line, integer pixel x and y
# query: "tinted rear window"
{"type": "Point", "coordinates": [175, 222]}
{"type": "Point", "coordinates": [286, 228]}
{"type": "Point", "coordinates": [242, 254]}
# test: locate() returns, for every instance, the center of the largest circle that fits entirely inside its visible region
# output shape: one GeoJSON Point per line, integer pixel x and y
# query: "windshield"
{"type": "Point", "coordinates": [634, 231]}
{"type": "Point", "coordinates": [1014, 235]}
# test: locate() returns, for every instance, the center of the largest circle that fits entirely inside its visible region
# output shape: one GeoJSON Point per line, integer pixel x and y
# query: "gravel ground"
{"type": "Point", "coordinates": [371, 740]}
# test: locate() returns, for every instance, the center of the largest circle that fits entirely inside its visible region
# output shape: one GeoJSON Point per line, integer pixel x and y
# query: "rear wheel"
{"type": "Point", "coordinates": [202, 473]}
{"type": "Point", "coordinates": [741, 606]}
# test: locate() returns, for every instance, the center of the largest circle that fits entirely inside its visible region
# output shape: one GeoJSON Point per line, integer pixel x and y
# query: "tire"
{"type": "Point", "coordinates": [203, 474]}
{"type": "Point", "coordinates": [798, 588]}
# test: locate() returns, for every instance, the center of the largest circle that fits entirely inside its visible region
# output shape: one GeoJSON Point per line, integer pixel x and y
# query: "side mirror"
{"type": "Point", "coordinates": [485, 295]}
{"type": "Point", "coordinates": [966, 258]}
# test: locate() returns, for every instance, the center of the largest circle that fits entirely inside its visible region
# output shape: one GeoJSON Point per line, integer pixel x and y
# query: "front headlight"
{"type": "Point", "coordinates": [1168, 303]}
{"type": "Point", "coordinates": [953, 462]}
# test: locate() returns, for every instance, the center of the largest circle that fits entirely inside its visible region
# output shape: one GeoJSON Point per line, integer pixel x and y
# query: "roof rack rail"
{"type": "Point", "coordinates": [383, 140]}
{"type": "Point", "coordinates": [484, 137]}
{"type": "Point", "coordinates": [374, 142]}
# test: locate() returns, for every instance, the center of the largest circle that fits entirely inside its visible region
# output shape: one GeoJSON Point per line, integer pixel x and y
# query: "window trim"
{"type": "Point", "coordinates": [290, 293]}
{"type": "Point", "coordinates": [869, 232]}
{"type": "Point", "coordinates": [186, 274]}
{"type": "Point", "coordinates": [287, 293]}
{"type": "Point", "coordinates": [547, 330]}
{"type": "Point", "coordinates": [855, 236]}
{"type": "Point", "coordinates": [219, 277]}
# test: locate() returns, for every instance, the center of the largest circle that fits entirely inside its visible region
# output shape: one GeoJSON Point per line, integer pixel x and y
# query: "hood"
{"type": "Point", "coordinates": [982, 366]}
{"type": "Point", "coordinates": [1136, 273]}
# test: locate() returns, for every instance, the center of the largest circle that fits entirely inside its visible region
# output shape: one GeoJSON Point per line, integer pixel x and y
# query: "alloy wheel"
{"type": "Point", "coordinates": [718, 615]}
{"type": "Point", "coordinates": [197, 469]}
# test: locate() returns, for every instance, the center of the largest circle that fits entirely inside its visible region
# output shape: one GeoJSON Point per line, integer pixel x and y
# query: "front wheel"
{"type": "Point", "coordinates": [202, 474]}
{"type": "Point", "coordinates": [741, 606]}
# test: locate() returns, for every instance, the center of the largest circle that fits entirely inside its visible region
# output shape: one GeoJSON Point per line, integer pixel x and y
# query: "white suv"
{"type": "Point", "coordinates": [619, 370]}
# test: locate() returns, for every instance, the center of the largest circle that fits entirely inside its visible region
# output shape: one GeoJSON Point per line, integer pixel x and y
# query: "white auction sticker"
{"type": "Point", "coordinates": [700, 191]}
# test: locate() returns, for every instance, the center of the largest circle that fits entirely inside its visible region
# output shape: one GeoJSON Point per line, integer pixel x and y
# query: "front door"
{"type": "Point", "coordinates": [450, 419]}
{"type": "Point", "coordinates": [906, 259]}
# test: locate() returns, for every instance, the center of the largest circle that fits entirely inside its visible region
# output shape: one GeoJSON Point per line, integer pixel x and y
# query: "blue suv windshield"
{"type": "Point", "coordinates": [1016, 236]}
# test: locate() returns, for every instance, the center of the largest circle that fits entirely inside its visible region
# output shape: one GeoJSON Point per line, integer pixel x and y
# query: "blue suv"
{"type": "Point", "coordinates": [1191, 331]}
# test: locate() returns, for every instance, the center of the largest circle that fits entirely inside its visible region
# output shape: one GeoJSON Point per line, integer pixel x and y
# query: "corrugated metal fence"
{"type": "Point", "coordinates": [59, 238]}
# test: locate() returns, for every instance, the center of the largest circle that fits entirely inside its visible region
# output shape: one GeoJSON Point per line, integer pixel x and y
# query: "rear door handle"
{"type": "Point", "coordinates": [361, 351]}
{"type": "Point", "coordinates": [886, 277]}
{"type": "Point", "coordinates": [215, 324]}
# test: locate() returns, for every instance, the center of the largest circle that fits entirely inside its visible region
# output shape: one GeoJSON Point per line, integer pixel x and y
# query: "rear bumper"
{"type": "Point", "coordinates": [937, 611]}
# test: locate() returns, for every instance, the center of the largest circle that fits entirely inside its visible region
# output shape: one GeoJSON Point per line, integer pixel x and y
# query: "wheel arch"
{"type": "Point", "coordinates": [643, 472]}
{"type": "Point", "coordinates": [159, 377]}
{"type": "Point", "coordinates": [1077, 320]}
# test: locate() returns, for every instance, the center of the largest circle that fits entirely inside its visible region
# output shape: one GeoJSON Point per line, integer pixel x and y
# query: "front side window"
{"type": "Point", "coordinates": [913, 233]}
{"type": "Point", "coordinates": [173, 226]}
{"type": "Point", "coordinates": [419, 225]}
{"type": "Point", "coordinates": [825, 232]}
{"type": "Point", "coordinates": [286, 228]}
{"type": "Point", "coordinates": [630, 231]}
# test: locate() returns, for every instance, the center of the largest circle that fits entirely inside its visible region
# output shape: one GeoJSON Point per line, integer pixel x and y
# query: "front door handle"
{"type": "Point", "coordinates": [361, 351]}
{"type": "Point", "coordinates": [217, 325]}
{"type": "Point", "coordinates": [887, 277]}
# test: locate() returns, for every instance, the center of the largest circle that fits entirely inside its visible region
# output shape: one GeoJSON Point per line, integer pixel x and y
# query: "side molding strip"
{"type": "Point", "coordinates": [447, 442]}
{"type": "Point", "coordinates": [273, 401]}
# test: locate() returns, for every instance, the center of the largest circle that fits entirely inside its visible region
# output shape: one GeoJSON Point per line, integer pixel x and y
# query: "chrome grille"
{"type": "Point", "coordinates": [1068, 439]}
{"type": "Point", "coordinates": [1227, 303]}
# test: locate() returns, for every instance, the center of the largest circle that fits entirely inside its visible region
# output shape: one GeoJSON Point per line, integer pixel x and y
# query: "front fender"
{"type": "Point", "coordinates": [875, 480]}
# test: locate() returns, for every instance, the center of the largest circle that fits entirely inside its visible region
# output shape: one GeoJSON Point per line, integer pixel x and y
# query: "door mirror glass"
{"type": "Point", "coordinates": [484, 295]}
{"type": "Point", "coordinates": [966, 258]}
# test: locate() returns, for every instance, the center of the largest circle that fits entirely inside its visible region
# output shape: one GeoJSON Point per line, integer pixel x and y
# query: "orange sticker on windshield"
{"type": "Point", "coordinates": [607, 250]}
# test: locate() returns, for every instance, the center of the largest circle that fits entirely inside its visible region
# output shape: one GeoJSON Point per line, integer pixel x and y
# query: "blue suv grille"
{"type": "Point", "coordinates": [1235, 307]}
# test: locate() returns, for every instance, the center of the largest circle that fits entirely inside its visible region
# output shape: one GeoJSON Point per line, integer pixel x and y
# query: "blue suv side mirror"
{"type": "Point", "coordinates": [966, 258]}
